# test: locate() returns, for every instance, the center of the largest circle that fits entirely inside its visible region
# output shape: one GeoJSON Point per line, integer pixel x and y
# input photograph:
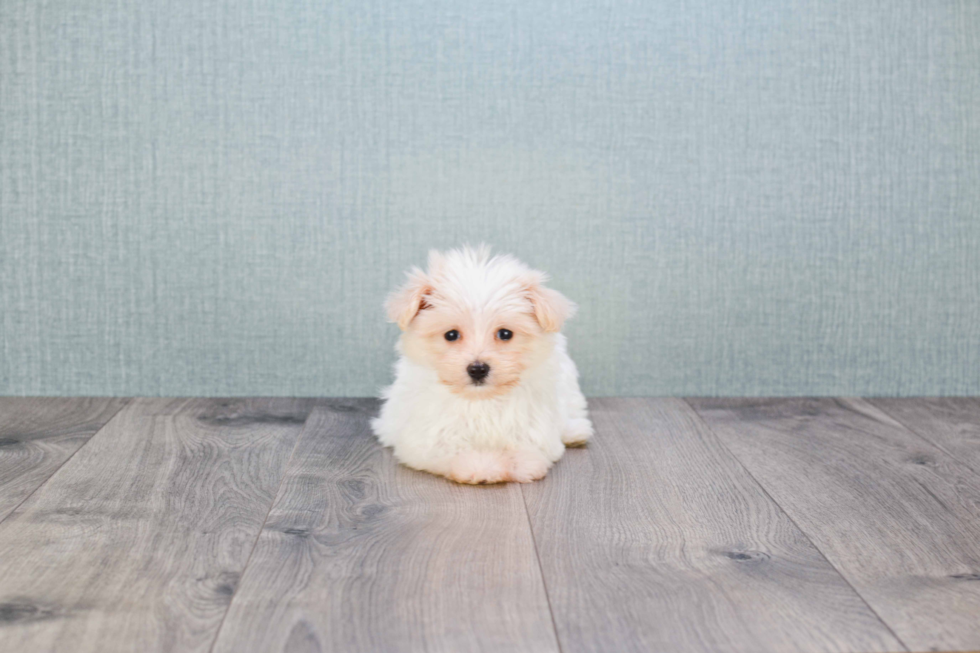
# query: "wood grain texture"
{"type": "Point", "coordinates": [656, 539]}
{"type": "Point", "coordinates": [37, 435]}
{"type": "Point", "coordinates": [950, 423]}
{"type": "Point", "coordinates": [896, 515]}
{"type": "Point", "coordinates": [361, 554]}
{"type": "Point", "coordinates": [137, 543]}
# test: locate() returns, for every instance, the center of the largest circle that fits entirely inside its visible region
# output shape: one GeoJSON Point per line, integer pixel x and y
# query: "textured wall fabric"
{"type": "Point", "coordinates": [211, 197]}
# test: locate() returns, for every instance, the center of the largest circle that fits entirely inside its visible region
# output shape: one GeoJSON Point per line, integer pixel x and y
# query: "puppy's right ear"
{"type": "Point", "coordinates": [406, 302]}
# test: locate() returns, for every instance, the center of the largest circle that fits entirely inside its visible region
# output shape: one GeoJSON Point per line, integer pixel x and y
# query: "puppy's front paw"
{"type": "Point", "coordinates": [484, 467]}
{"type": "Point", "coordinates": [527, 466]}
{"type": "Point", "coordinates": [480, 467]}
{"type": "Point", "coordinates": [577, 432]}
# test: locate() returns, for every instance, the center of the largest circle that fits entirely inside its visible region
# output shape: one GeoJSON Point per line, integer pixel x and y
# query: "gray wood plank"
{"type": "Point", "coordinates": [950, 423]}
{"type": "Point", "coordinates": [137, 542]}
{"type": "Point", "coordinates": [361, 554]}
{"type": "Point", "coordinates": [897, 516]}
{"type": "Point", "coordinates": [655, 539]}
{"type": "Point", "coordinates": [38, 434]}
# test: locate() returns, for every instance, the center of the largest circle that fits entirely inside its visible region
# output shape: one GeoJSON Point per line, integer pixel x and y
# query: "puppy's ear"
{"type": "Point", "coordinates": [406, 302]}
{"type": "Point", "coordinates": [437, 261]}
{"type": "Point", "coordinates": [551, 308]}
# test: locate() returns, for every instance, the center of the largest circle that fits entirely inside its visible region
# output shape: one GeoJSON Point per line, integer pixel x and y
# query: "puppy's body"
{"type": "Point", "coordinates": [434, 429]}
{"type": "Point", "coordinates": [508, 424]}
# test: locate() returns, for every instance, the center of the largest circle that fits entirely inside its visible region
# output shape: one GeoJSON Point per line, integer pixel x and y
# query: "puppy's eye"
{"type": "Point", "coordinates": [451, 335]}
{"type": "Point", "coordinates": [505, 334]}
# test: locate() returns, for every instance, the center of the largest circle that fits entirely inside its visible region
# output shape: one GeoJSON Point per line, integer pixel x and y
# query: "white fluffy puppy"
{"type": "Point", "coordinates": [484, 390]}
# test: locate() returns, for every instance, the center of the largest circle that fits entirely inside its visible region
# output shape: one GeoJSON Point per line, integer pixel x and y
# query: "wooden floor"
{"type": "Point", "coordinates": [281, 525]}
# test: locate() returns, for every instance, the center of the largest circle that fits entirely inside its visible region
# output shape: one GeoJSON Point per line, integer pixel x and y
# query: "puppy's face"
{"type": "Point", "coordinates": [476, 353]}
{"type": "Point", "coordinates": [480, 323]}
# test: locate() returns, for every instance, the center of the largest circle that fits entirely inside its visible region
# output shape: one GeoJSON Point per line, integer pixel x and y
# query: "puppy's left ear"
{"type": "Point", "coordinates": [406, 302]}
{"type": "Point", "coordinates": [551, 308]}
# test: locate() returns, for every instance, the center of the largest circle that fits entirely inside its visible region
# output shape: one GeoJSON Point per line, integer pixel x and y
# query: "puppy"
{"type": "Point", "coordinates": [484, 390]}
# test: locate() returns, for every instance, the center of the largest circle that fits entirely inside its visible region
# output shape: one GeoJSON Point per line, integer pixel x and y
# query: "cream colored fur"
{"type": "Point", "coordinates": [516, 423]}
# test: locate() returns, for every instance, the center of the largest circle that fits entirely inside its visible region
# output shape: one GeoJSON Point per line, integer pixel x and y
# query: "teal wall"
{"type": "Point", "coordinates": [751, 197]}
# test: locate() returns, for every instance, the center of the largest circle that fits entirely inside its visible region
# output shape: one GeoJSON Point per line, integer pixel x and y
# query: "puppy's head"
{"type": "Point", "coordinates": [479, 322]}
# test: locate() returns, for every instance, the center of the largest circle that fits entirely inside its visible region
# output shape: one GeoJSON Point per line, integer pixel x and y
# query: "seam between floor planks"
{"type": "Point", "coordinates": [361, 553]}
{"type": "Point", "coordinates": [176, 536]}
{"type": "Point", "coordinates": [916, 432]}
{"type": "Point", "coordinates": [655, 538]}
{"type": "Point", "coordinates": [891, 406]}
{"type": "Point", "coordinates": [525, 491]}
{"type": "Point", "coordinates": [765, 490]}
{"type": "Point", "coordinates": [895, 513]}
{"type": "Point", "coordinates": [544, 580]}
{"type": "Point", "coordinates": [255, 543]}
{"type": "Point", "coordinates": [125, 402]}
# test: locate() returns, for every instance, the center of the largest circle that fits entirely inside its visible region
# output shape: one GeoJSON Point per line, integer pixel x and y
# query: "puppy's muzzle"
{"type": "Point", "coordinates": [478, 371]}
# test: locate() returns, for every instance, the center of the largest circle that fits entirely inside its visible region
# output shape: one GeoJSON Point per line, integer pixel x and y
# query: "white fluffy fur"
{"type": "Point", "coordinates": [510, 428]}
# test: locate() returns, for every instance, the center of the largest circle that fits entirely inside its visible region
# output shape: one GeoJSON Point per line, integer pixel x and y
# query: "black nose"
{"type": "Point", "coordinates": [478, 371]}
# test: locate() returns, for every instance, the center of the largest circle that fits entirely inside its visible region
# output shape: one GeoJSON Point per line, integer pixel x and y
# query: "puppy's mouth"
{"type": "Point", "coordinates": [485, 389]}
